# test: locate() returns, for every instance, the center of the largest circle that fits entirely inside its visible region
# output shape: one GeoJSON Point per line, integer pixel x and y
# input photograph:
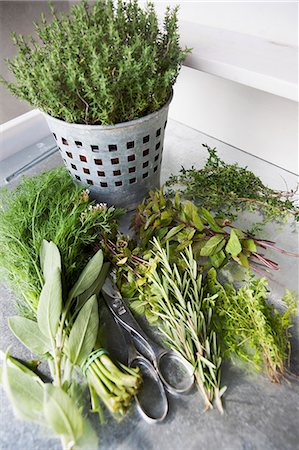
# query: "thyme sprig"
{"type": "Point", "coordinates": [227, 189]}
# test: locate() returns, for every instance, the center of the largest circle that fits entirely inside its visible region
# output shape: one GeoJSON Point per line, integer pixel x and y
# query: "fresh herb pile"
{"type": "Point", "coordinates": [48, 206]}
{"type": "Point", "coordinates": [102, 64]}
{"type": "Point", "coordinates": [65, 332]}
{"type": "Point", "coordinates": [162, 276]}
{"type": "Point", "coordinates": [249, 328]}
{"type": "Point", "coordinates": [227, 189]}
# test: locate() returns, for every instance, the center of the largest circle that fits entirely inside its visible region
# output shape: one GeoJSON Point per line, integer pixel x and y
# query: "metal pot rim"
{"type": "Point", "coordinates": [110, 127]}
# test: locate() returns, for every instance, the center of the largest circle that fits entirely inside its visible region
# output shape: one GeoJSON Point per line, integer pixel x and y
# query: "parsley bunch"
{"type": "Point", "coordinates": [101, 64]}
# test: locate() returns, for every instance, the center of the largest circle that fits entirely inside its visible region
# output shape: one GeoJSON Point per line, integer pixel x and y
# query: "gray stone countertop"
{"type": "Point", "coordinates": [258, 414]}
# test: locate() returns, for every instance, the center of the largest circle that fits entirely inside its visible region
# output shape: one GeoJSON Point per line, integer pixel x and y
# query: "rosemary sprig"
{"type": "Point", "coordinates": [175, 297]}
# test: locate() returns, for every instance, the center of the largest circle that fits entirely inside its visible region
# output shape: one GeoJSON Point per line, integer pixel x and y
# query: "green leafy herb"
{"type": "Point", "coordinates": [48, 206]}
{"type": "Point", "coordinates": [102, 64]}
{"type": "Point", "coordinates": [249, 327]}
{"type": "Point", "coordinates": [173, 298]}
{"type": "Point", "coordinates": [227, 189]}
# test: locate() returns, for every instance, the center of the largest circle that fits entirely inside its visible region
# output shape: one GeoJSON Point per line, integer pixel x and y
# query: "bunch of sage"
{"type": "Point", "coordinates": [65, 332]}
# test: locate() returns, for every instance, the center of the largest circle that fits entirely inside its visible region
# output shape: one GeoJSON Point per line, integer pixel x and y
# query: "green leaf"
{"type": "Point", "coordinates": [249, 244]}
{"type": "Point", "coordinates": [213, 245]}
{"type": "Point", "coordinates": [28, 332]}
{"type": "Point", "coordinates": [233, 246]}
{"type": "Point", "coordinates": [211, 221]}
{"type": "Point", "coordinates": [243, 260]}
{"type": "Point", "coordinates": [89, 275]}
{"type": "Point", "coordinates": [95, 288]}
{"type": "Point", "coordinates": [50, 258]}
{"type": "Point", "coordinates": [61, 413]}
{"type": "Point", "coordinates": [50, 305]}
{"type": "Point", "coordinates": [218, 259]}
{"type": "Point", "coordinates": [83, 334]}
{"type": "Point", "coordinates": [173, 231]}
{"type": "Point", "coordinates": [24, 390]}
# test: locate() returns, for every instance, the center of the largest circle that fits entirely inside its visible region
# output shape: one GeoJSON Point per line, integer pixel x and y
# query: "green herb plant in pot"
{"type": "Point", "coordinates": [103, 77]}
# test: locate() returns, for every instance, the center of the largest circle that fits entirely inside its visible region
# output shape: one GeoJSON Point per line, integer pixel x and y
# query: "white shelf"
{"type": "Point", "coordinates": [249, 60]}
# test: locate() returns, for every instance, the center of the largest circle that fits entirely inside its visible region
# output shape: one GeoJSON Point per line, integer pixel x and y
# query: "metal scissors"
{"type": "Point", "coordinates": [167, 367]}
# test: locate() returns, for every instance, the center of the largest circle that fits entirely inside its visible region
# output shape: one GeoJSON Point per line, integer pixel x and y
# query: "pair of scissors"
{"type": "Point", "coordinates": [165, 368]}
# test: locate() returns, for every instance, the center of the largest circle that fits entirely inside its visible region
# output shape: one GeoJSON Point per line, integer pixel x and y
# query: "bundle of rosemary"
{"type": "Point", "coordinates": [227, 189]}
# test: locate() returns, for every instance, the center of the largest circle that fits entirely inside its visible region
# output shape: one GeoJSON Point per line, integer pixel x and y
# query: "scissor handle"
{"type": "Point", "coordinates": [181, 369]}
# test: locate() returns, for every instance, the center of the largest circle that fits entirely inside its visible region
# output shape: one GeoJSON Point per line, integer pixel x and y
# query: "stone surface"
{"type": "Point", "coordinates": [258, 414]}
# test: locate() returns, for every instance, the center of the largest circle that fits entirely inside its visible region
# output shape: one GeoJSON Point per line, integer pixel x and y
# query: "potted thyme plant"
{"type": "Point", "coordinates": [103, 77]}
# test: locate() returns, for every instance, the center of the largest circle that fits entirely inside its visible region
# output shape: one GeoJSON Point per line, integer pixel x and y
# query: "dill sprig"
{"type": "Point", "coordinates": [227, 189]}
{"type": "Point", "coordinates": [48, 206]}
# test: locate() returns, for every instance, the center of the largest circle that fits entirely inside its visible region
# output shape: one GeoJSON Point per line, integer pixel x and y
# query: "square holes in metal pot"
{"type": "Point", "coordinates": [132, 180]}
{"type": "Point", "coordinates": [132, 169]}
{"type": "Point", "coordinates": [54, 136]}
{"type": "Point", "coordinates": [64, 141]}
{"type": "Point", "coordinates": [112, 148]}
{"type": "Point", "coordinates": [98, 162]}
{"type": "Point", "coordinates": [130, 144]}
{"type": "Point", "coordinates": [83, 158]}
{"type": "Point", "coordinates": [104, 184]}
{"type": "Point", "coordinates": [69, 154]}
{"type": "Point", "coordinates": [89, 181]}
{"type": "Point", "coordinates": [78, 143]}
{"type": "Point", "coordinates": [74, 167]}
{"type": "Point", "coordinates": [145, 175]}
{"type": "Point", "coordinates": [158, 132]}
{"type": "Point", "coordinates": [156, 157]}
{"type": "Point", "coordinates": [118, 183]}
{"type": "Point", "coordinates": [101, 173]}
{"type": "Point", "coordinates": [114, 160]}
{"type": "Point", "coordinates": [158, 145]}
{"type": "Point", "coordinates": [78, 178]}
{"type": "Point", "coordinates": [145, 164]}
{"type": "Point", "coordinates": [86, 170]}
{"type": "Point", "coordinates": [116, 173]}
{"type": "Point", "coordinates": [131, 158]}
{"type": "Point", "coordinates": [95, 148]}
{"type": "Point", "coordinates": [146, 152]}
{"type": "Point", "coordinates": [146, 139]}
{"type": "Point", "coordinates": [155, 168]}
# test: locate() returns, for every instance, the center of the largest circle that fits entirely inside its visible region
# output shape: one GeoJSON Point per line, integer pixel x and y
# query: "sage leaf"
{"type": "Point", "coordinates": [88, 275]}
{"type": "Point", "coordinates": [24, 390]}
{"type": "Point", "coordinates": [233, 246]}
{"type": "Point", "coordinates": [95, 288]}
{"type": "Point", "coordinates": [61, 413]}
{"type": "Point", "coordinates": [28, 332]}
{"type": "Point", "coordinates": [50, 305]}
{"type": "Point", "coordinates": [218, 259]}
{"type": "Point", "coordinates": [50, 258]}
{"type": "Point", "coordinates": [213, 245]}
{"type": "Point", "coordinates": [84, 332]}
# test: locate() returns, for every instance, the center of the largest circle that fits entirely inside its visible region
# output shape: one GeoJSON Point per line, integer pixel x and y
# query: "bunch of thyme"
{"type": "Point", "coordinates": [227, 189]}
{"type": "Point", "coordinates": [103, 63]}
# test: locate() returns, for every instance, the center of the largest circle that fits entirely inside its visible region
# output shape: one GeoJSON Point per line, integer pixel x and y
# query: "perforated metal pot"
{"type": "Point", "coordinates": [119, 164]}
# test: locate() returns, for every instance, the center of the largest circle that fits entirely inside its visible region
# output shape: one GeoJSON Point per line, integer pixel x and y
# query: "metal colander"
{"type": "Point", "coordinates": [119, 164]}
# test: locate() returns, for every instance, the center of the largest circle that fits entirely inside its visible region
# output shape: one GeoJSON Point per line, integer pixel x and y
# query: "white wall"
{"type": "Point", "coordinates": [255, 121]}
{"type": "Point", "coordinates": [273, 20]}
